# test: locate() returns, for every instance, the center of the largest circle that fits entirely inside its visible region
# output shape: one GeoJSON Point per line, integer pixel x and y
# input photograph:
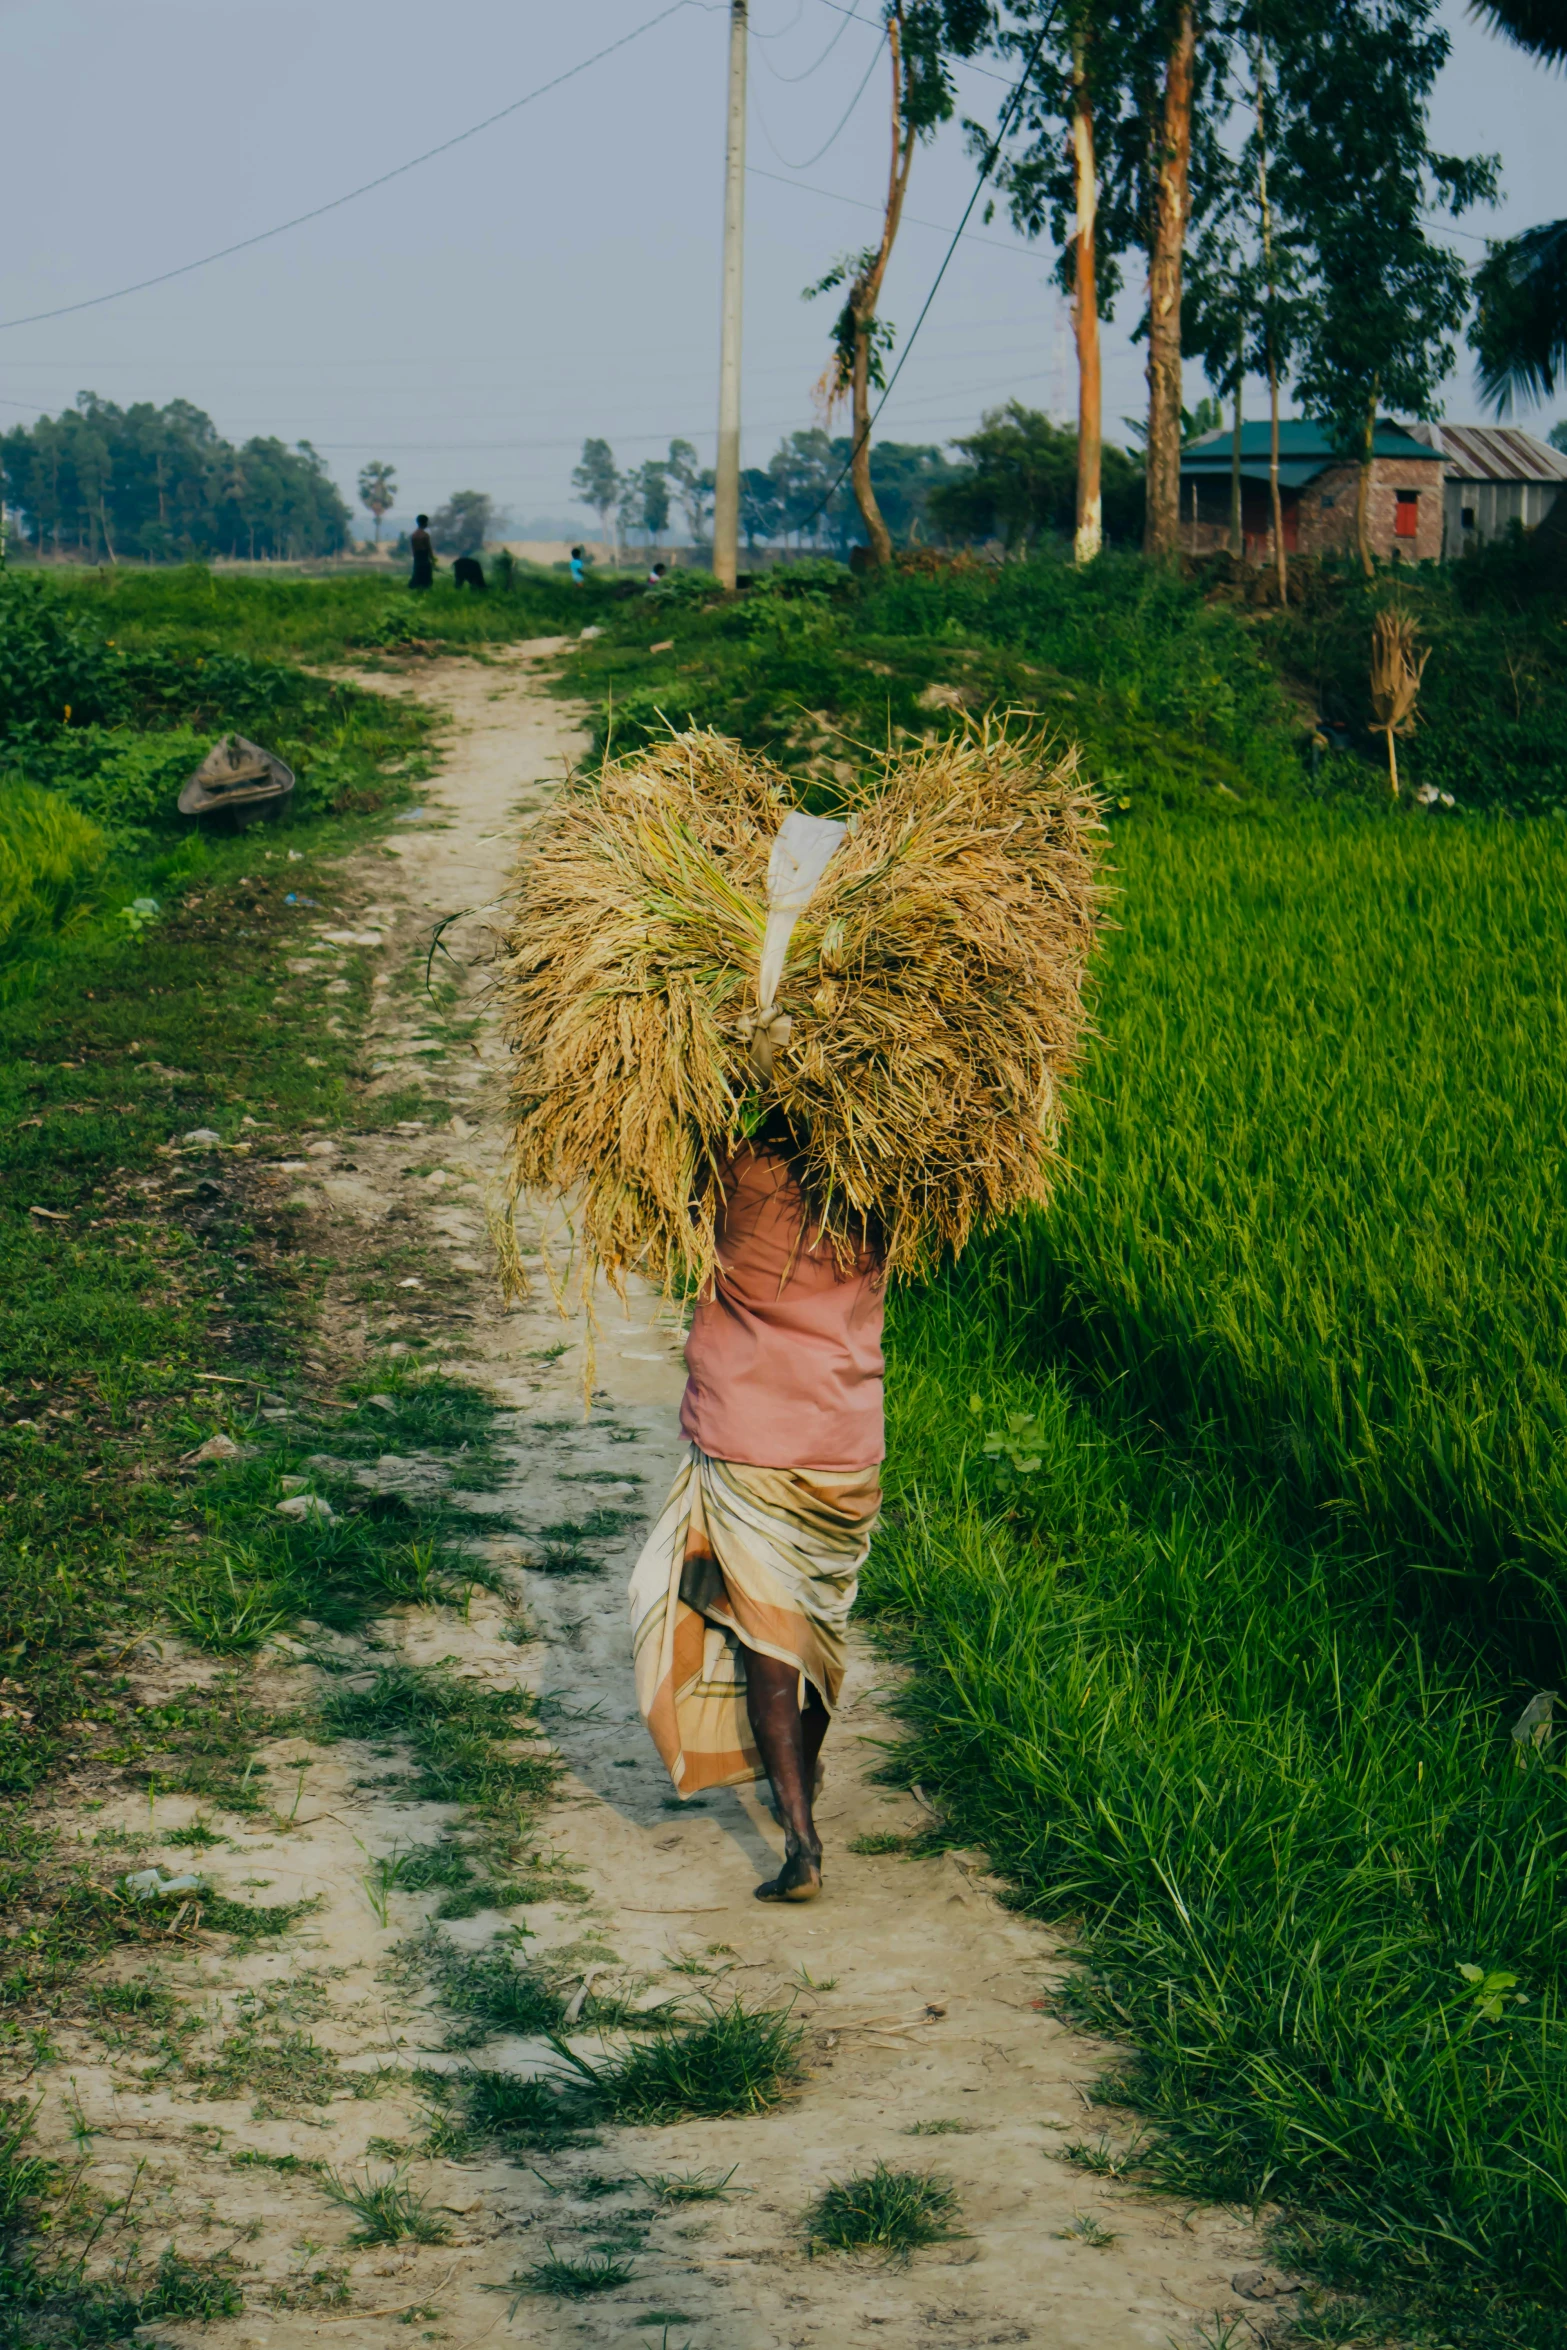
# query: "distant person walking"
{"type": "Point", "coordinates": [579, 566]}
{"type": "Point", "coordinates": [422, 548]}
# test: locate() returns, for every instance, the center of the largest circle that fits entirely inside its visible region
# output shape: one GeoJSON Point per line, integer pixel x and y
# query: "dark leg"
{"type": "Point", "coordinates": [789, 1742]}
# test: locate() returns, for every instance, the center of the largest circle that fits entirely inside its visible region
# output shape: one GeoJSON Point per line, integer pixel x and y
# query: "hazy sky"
{"type": "Point", "coordinates": [555, 276]}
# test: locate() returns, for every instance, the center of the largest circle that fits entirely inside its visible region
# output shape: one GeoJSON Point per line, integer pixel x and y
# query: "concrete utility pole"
{"type": "Point", "coordinates": [726, 483]}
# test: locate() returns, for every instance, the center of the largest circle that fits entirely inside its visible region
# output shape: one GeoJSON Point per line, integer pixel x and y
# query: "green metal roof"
{"type": "Point", "coordinates": [1304, 450]}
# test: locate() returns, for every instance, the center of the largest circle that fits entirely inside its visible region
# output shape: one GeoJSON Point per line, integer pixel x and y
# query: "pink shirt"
{"type": "Point", "coordinates": [784, 1359]}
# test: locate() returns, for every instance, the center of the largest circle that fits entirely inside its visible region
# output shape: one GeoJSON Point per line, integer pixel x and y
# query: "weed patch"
{"type": "Point", "coordinates": [486, 1992]}
{"type": "Point", "coordinates": [572, 2280]}
{"type": "Point", "coordinates": [738, 2060]}
{"type": "Point", "coordinates": [894, 2212]}
{"type": "Point", "coordinates": [462, 1734]}
{"type": "Point", "coordinates": [388, 2210]}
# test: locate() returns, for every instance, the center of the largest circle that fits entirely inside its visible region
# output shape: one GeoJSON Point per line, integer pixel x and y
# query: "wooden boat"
{"type": "Point", "coordinates": [237, 783]}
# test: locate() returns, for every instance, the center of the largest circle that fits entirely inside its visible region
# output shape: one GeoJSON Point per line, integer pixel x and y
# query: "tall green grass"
{"type": "Point", "coordinates": [1316, 1189]}
{"type": "Point", "coordinates": [50, 857]}
{"type": "Point", "coordinates": [1284, 1833]}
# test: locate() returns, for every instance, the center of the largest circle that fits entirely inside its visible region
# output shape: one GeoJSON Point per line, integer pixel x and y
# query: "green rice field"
{"type": "Point", "coordinates": [1221, 1642]}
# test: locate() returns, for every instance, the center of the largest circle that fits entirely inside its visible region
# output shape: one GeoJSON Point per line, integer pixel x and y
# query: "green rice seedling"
{"type": "Point", "coordinates": [51, 863]}
{"type": "Point", "coordinates": [1286, 1760]}
{"type": "Point", "coordinates": [571, 2280]}
{"type": "Point", "coordinates": [894, 2212]}
{"type": "Point", "coordinates": [691, 2186]}
{"type": "Point", "coordinates": [388, 2211]}
{"type": "Point", "coordinates": [878, 1841]}
{"type": "Point", "coordinates": [939, 2129]}
{"type": "Point", "coordinates": [286, 2165]}
{"type": "Point", "coordinates": [738, 2060]}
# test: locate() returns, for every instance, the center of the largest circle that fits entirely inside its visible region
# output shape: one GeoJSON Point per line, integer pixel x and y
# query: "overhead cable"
{"type": "Point", "coordinates": [263, 236]}
{"type": "Point", "coordinates": [843, 125]}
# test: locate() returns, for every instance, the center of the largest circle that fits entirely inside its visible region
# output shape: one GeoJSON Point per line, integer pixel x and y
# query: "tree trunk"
{"type": "Point", "coordinates": [1280, 558]}
{"type": "Point", "coordinates": [865, 293]}
{"type": "Point", "coordinates": [1172, 205]}
{"type": "Point", "coordinates": [878, 537]}
{"type": "Point", "coordinates": [1363, 492]}
{"type": "Point", "coordinates": [1085, 314]}
{"type": "Point", "coordinates": [1237, 529]}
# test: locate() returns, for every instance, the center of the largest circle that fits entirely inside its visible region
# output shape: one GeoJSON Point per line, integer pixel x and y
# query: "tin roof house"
{"type": "Point", "coordinates": [1317, 493]}
{"type": "Point", "coordinates": [1493, 476]}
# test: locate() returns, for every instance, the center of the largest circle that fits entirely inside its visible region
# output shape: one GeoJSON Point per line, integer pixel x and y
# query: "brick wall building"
{"type": "Point", "coordinates": [1317, 491]}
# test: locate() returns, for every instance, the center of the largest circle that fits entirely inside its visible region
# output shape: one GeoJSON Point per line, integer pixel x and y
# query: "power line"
{"type": "Point", "coordinates": [909, 219]}
{"type": "Point", "coordinates": [843, 125]}
{"type": "Point", "coordinates": [849, 17]}
{"type": "Point", "coordinates": [971, 67]}
{"type": "Point", "coordinates": [93, 302]}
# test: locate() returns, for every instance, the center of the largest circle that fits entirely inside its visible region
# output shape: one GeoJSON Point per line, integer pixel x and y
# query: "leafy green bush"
{"type": "Point", "coordinates": [1172, 698]}
{"type": "Point", "coordinates": [128, 781]}
{"type": "Point", "coordinates": [54, 665]}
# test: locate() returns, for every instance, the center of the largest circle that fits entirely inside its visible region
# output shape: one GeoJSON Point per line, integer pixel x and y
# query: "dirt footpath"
{"type": "Point", "coordinates": [928, 2039]}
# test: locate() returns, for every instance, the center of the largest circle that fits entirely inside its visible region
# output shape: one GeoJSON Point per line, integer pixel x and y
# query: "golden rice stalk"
{"type": "Point", "coordinates": [1395, 681]}
{"type": "Point", "coordinates": [935, 986]}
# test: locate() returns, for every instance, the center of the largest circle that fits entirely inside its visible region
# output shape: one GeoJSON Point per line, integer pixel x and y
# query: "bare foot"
{"type": "Point", "coordinates": [800, 1879]}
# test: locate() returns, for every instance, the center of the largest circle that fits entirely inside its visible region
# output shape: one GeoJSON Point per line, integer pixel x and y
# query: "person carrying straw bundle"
{"type": "Point", "coordinates": [779, 1060]}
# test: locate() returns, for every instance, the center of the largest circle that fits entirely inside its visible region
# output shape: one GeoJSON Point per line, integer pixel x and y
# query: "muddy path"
{"type": "Point", "coordinates": [928, 2037]}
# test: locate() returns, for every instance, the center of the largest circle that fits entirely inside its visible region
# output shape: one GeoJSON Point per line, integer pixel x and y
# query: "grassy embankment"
{"type": "Point", "coordinates": [1220, 1650]}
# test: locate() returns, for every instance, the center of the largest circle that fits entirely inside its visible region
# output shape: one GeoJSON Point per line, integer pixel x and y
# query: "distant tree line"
{"type": "Point", "coordinates": [106, 484]}
{"type": "Point", "coordinates": [1014, 481]}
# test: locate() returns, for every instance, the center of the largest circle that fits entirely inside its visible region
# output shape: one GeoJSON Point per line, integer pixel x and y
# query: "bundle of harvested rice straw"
{"type": "Point", "coordinates": [929, 1003]}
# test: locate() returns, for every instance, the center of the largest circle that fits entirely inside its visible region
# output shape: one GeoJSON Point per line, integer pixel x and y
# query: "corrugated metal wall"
{"type": "Point", "coordinates": [1493, 504]}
